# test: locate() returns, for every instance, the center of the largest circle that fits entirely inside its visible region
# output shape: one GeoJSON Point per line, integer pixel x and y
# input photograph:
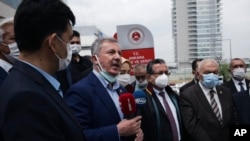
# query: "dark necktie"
{"type": "Point", "coordinates": [241, 87]}
{"type": "Point", "coordinates": [170, 117]}
{"type": "Point", "coordinates": [214, 106]}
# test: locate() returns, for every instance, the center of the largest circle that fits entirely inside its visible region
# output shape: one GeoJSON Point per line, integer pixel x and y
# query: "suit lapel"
{"type": "Point", "coordinates": [49, 89]}
{"type": "Point", "coordinates": [247, 84]}
{"type": "Point", "coordinates": [204, 102]}
{"type": "Point", "coordinates": [104, 96]}
{"type": "Point", "coordinates": [222, 101]}
{"type": "Point", "coordinates": [158, 103]}
{"type": "Point", "coordinates": [231, 85]}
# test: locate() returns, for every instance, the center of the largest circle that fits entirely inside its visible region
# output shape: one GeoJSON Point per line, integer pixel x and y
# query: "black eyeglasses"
{"type": "Point", "coordinates": [75, 42]}
{"type": "Point", "coordinates": [161, 72]}
{"type": "Point", "coordinates": [140, 77]}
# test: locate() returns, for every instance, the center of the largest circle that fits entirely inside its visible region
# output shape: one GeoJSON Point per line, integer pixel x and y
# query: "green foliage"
{"type": "Point", "coordinates": [224, 71]}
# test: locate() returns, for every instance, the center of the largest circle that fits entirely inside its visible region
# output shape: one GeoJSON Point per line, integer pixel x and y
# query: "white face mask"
{"type": "Point", "coordinates": [161, 81]}
{"type": "Point", "coordinates": [76, 48]}
{"type": "Point", "coordinates": [239, 74]}
{"type": "Point", "coordinates": [142, 84]}
{"type": "Point", "coordinates": [14, 51]}
{"type": "Point", "coordinates": [123, 79]}
{"type": "Point", "coordinates": [63, 63]}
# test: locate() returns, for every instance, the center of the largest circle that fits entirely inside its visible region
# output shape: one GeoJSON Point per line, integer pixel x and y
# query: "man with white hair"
{"type": "Point", "coordinates": [8, 47]}
{"type": "Point", "coordinates": [206, 107]}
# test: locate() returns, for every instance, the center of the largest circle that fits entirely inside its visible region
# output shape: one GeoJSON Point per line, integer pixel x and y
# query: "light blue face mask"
{"type": "Point", "coordinates": [105, 74]}
{"type": "Point", "coordinates": [210, 80]}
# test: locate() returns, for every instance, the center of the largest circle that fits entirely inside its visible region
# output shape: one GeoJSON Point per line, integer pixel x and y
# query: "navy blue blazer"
{"type": "Point", "coordinates": [94, 109]}
{"type": "Point", "coordinates": [230, 84]}
{"type": "Point", "coordinates": [242, 104]}
{"type": "Point", "coordinates": [3, 75]}
{"type": "Point", "coordinates": [32, 110]}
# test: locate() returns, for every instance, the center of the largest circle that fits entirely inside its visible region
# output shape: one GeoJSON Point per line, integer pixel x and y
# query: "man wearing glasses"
{"type": "Point", "coordinates": [161, 119]}
{"type": "Point", "coordinates": [140, 73]}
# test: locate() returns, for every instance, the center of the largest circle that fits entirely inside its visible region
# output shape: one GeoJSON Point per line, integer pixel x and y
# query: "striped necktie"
{"type": "Point", "coordinates": [214, 106]}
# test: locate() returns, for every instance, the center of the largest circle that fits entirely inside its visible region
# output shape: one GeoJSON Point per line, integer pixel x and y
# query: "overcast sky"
{"type": "Point", "coordinates": [156, 16]}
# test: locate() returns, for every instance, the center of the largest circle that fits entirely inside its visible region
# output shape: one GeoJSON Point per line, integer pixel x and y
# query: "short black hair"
{"type": "Point", "coordinates": [194, 63]}
{"type": "Point", "coordinates": [76, 33]}
{"type": "Point", "coordinates": [153, 62]}
{"type": "Point", "coordinates": [36, 19]}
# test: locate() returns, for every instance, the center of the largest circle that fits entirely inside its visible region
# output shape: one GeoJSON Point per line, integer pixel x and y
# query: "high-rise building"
{"type": "Point", "coordinates": [196, 30]}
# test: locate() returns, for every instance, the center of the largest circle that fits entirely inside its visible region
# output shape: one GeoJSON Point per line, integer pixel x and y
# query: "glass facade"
{"type": "Point", "coordinates": [203, 28]}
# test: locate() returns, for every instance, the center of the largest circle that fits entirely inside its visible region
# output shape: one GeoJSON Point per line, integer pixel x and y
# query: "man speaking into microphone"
{"type": "Point", "coordinates": [95, 99]}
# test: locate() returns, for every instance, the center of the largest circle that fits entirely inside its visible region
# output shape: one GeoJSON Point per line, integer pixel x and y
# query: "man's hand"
{"type": "Point", "coordinates": [128, 127]}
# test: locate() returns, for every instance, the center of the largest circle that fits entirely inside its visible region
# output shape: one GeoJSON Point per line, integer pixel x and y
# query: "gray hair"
{"type": "Point", "coordinates": [97, 45]}
{"type": "Point", "coordinates": [139, 67]}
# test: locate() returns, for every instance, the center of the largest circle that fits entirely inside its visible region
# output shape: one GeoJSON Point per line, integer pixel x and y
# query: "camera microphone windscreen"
{"type": "Point", "coordinates": [140, 99]}
{"type": "Point", "coordinates": [127, 103]}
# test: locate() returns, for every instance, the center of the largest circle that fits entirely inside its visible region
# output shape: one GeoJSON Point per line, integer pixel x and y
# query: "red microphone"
{"type": "Point", "coordinates": [128, 106]}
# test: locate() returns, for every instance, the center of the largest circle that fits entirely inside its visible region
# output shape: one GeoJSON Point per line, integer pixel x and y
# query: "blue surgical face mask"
{"type": "Point", "coordinates": [104, 73]}
{"type": "Point", "coordinates": [210, 80]}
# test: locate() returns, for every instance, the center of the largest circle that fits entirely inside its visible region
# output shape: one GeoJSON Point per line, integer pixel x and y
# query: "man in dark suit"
{"type": "Point", "coordinates": [242, 104]}
{"type": "Point", "coordinates": [206, 107]}
{"type": "Point", "coordinates": [95, 99]}
{"type": "Point", "coordinates": [161, 119]}
{"type": "Point", "coordinates": [238, 82]}
{"type": "Point", "coordinates": [8, 47]}
{"type": "Point", "coordinates": [31, 108]}
{"type": "Point", "coordinates": [195, 64]}
{"type": "Point", "coordinates": [78, 65]}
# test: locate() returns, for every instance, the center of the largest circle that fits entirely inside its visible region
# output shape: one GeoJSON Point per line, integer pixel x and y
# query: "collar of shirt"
{"type": "Point", "coordinates": [157, 91]}
{"type": "Point", "coordinates": [206, 90]}
{"type": "Point", "coordinates": [105, 83]}
{"type": "Point", "coordinates": [236, 82]}
{"type": "Point", "coordinates": [5, 65]}
{"type": "Point", "coordinates": [50, 78]}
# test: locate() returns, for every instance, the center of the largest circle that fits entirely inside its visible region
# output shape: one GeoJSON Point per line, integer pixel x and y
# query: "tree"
{"type": "Point", "coordinates": [224, 71]}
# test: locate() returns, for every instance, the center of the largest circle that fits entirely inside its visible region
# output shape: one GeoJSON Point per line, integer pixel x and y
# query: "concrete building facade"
{"type": "Point", "coordinates": [197, 31]}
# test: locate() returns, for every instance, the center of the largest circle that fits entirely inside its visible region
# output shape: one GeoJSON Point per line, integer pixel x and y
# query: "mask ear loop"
{"type": "Point", "coordinates": [99, 64]}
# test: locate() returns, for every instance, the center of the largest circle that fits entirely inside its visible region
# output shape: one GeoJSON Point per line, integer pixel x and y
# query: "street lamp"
{"type": "Point", "coordinates": [230, 47]}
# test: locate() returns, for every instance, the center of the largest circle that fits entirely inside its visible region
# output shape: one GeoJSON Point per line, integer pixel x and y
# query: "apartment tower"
{"type": "Point", "coordinates": [196, 30]}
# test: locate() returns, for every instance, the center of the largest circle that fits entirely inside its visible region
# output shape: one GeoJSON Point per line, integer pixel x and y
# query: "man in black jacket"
{"type": "Point", "coordinates": [195, 64]}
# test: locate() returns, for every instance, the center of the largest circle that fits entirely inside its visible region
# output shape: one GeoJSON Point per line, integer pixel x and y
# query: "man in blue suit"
{"type": "Point", "coordinates": [95, 99]}
{"type": "Point", "coordinates": [31, 108]}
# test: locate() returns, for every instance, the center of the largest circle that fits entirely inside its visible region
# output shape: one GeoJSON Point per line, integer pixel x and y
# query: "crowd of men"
{"type": "Point", "coordinates": [48, 92]}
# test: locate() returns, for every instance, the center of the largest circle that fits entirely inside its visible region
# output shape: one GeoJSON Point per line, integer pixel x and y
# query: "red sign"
{"type": "Point", "coordinates": [136, 56]}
